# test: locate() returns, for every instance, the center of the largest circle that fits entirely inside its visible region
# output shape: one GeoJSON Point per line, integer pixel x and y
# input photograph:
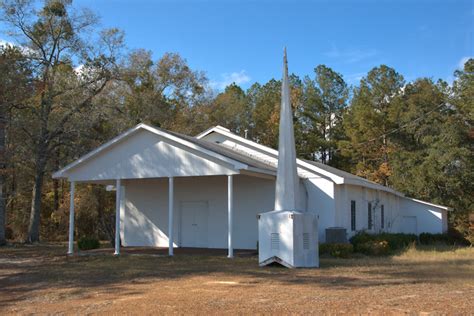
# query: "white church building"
{"type": "Point", "coordinates": [206, 191]}
{"type": "Point", "coordinates": [219, 190]}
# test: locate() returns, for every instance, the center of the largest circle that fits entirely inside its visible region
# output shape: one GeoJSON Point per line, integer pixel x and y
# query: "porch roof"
{"type": "Point", "coordinates": [185, 155]}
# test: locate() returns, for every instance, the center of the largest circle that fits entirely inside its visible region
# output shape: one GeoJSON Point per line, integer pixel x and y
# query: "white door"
{"type": "Point", "coordinates": [408, 225]}
{"type": "Point", "coordinates": [193, 224]}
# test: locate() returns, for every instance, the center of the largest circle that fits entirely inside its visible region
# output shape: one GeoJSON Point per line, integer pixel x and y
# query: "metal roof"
{"type": "Point", "coordinates": [341, 173]}
{"type": "Point", "coordinates": [225, 151]}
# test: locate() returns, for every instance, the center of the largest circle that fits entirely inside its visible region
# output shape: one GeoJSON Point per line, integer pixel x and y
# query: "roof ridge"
{"type": "Point", "coordinates": [248, 154]}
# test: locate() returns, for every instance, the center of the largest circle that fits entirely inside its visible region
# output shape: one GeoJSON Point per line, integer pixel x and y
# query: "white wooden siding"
{"type": "Point", "coordinates": [145, 155]}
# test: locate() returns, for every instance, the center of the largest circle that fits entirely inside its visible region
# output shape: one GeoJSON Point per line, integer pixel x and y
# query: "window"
{"type": "Point", "coordinates": [382, 216]}
{"type": "Point", "coordinates": [369, 215]}
{"type": "Point", "coordinates": [353, 215]}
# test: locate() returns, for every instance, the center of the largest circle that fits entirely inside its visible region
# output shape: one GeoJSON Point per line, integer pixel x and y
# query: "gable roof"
{"type": "Point", "coordinates": [239, 160]}
{"type": "Point", "coordinates": [225, 151]}
{"type": "Point", "coordinates": [221, 153]}
{"type": "Point", "coordinates": [270, 151]}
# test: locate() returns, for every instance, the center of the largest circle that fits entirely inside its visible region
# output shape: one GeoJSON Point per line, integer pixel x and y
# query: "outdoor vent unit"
{"type": "Point", "coordinates": [336, 235]}
{"type": "Point", "coordinates": [306, 241]}
{"type": "Point", "coordinates": [275, 241]}
{"type": "Point", "coordinates": [289, 238]}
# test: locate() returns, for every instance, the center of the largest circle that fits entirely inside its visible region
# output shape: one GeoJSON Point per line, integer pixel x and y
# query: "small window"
{"type": "Point", "coordinates": [369, 215]}
{"type": "Point", "coordinates": [353, 215]}
{"type": "Point", "coordinates": [382, 216]}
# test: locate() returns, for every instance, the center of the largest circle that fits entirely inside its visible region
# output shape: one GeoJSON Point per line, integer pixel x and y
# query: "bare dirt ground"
{"type": "Point", "coordinates": [42, 279]}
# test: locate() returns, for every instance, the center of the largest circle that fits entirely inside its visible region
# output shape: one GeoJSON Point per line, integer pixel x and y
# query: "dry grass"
{"type": "Point", "coordinates": [437, 253]}
{"type": "Point", "coordinates": [41, 279]}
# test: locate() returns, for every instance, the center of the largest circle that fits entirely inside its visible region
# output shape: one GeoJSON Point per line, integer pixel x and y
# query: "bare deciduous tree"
{"type": "Point", "coordinates": [71, 68]}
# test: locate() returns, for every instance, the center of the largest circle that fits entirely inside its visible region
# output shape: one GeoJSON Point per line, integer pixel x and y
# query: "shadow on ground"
{"type": "Point", "coordinates": [26, 269]}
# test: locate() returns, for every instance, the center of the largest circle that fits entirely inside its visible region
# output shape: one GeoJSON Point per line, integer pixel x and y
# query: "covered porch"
{"type": "Point", "coordinates": [188, 212]}
{"type": "Point", "coordinates": [174, 191]}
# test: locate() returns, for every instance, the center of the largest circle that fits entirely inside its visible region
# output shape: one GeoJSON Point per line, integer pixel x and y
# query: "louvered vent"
{"type": "Point", "coordinates": [275, 241]}
{"type": "Point", "coordinates": [306, 241]}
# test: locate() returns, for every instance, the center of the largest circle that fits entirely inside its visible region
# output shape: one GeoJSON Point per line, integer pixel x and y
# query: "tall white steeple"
{"type": "Point", "coordinates": [296, 230]}
{"type": "Point", "coordinates": [286, 192]}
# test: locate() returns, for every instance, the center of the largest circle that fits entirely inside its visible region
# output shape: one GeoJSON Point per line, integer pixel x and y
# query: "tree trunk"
{"type": "Point", "coordinates": [323, 149]}
{"type": "Point", "coordinates": [56, 183]}
{"type": "Point", "coordinates": [385, 157]}
{"type": "Point", "coordinates": [3, 240]}
{"type": "Point", "coordinates": [106, 224]}
{"type": "Point", "coordinates": [2, 181]}
{"type": "Point", "coordinates": [56, 194]}
{"type": "Point", "coordinates": [3, 210]}
{"type": "Point", "coordinates": [100, 209]}
{"type": "Point", "coordinates": [35, 215]}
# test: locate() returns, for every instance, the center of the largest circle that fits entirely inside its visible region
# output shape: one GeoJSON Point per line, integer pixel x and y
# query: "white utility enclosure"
{"type": "Point", "coordinates": [289, 238]}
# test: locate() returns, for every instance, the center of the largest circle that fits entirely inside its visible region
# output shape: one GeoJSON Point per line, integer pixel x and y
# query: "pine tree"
{"type": "Point", "coordinates": [324, 100]}
{"type": "Point", "coordinates": [371, 116]}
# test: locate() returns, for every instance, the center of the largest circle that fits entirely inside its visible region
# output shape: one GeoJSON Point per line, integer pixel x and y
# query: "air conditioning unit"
{"type": "Point", "coordinates": [336, 235]}
{"type": "Point", "coordinates": [289, 238]}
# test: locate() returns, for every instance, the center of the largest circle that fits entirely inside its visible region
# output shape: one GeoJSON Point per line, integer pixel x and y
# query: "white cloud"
{"type": "Point", "coordinates": [25, 50]}
{"type": "Point", "coordinates": [5, 43]}
{"type": "Point", "coordinates": [352, 55]}
{"type": "Point", "coordinates": [238, 78]}
{"type": "Point", "coordinates": [462, 61]}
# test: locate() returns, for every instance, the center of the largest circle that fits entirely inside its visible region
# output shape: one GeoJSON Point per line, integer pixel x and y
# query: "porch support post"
{"type": "Point", "coordinates": [118, 199]}
{"type": "Point", "coordinates": [71, 220]}
{"type": "Point", "coordinates": [230, 209]}
{"type": "Point", "coordinates": [170, 214]}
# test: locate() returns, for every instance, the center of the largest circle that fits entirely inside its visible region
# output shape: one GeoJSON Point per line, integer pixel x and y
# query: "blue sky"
{"type": "Point", "coordinates": [243, 40]}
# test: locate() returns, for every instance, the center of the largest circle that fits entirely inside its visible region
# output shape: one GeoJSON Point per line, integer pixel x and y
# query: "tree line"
{"type": "Point", "coordinates": [66, 88]}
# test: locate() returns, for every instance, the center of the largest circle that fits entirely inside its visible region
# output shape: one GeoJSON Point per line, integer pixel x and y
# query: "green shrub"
{"type": "Point", "coordinates": [397, 241]}
{"type": "Point", "coordinates": [360, 238]}
{"type": "Point", "coordinates": [381, 243]}
{"type": "Point", "coordinates": [448, 239]}
{"type": "Point", "coordinates": [459, 238]}
{"type": "Point", "coordinates": [336, 250]}
{"type": "Point", "coordinates": [87, 243]}
{"type": "Point", "coordinates": [429, 239]}
{"type": "Point", "coordinates": [374, 248]}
